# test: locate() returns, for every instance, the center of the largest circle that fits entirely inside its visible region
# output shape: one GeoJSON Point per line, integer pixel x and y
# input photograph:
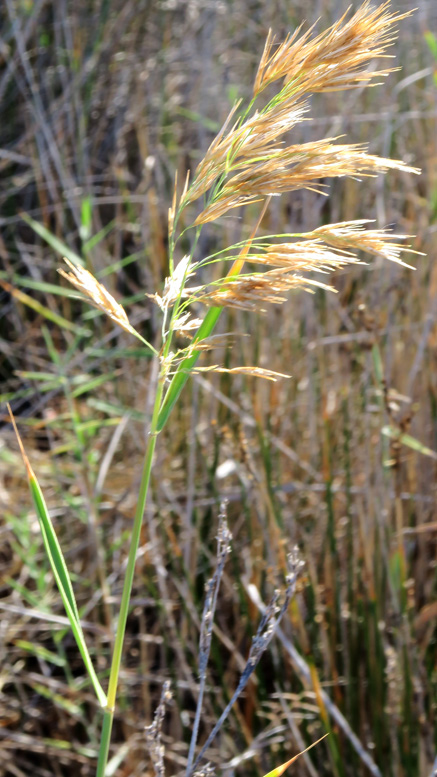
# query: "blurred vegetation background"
{"type": "Point", "coordinates": [101, 102]}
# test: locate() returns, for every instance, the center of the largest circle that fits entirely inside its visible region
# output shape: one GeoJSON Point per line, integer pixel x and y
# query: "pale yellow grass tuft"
{"type": "Point", "coordinates": [251, 292]}
{"type": "Point", "coordinates": [324, 250]}
{"type": "Point", "coordinates": [296, 167]}
{"type": "Point", "coordinates": [352, 235]}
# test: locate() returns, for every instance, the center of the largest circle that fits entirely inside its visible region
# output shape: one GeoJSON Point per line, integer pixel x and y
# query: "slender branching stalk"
{"type": "Point", "coordinates": [154, 731]}
{"type": "Point", "coordinates": [223, 547]}
{"type": "Point", "coordinates": [270, 621]}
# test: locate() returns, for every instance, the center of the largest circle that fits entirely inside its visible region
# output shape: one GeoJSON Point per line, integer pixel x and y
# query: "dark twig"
{"type": "Point", "coordinates": [224, 538]}
{"type": "Point", "coordinates": [154, 731]}
{"type": "Point", "coordinates": [270, 620]}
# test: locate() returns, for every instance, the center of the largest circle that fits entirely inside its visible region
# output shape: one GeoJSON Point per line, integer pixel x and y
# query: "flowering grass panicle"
{"type": "Point", "coordinates": [250, 160]}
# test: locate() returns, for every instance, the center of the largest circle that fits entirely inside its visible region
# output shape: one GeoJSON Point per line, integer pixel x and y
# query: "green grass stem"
{"type": "Point", "coordinates": [128, 583]}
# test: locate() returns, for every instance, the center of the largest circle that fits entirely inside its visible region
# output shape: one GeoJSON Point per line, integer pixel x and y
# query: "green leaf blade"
{"type": "Point", "coordinates": [185, 368]}
{"type": "Point", "coordinates": [63, 581]}
{"type": "Point", "coordinates": [59, 568]}
{"type": "Point", "coordinates": [53, 241]}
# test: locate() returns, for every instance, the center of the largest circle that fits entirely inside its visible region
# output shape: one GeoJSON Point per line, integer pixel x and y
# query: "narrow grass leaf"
{"type": "Point", "coordinates": [431, 41]}
{"type": "Point", "coordinates": [34, 600]}
{"type": "Point", "coordinates": [115, 410]}
{"type": "Point", "coordinates": [60, 701]}
{"type": "Point", "coordinates": [94, 383]}
{"type": "Point", "coordinates": [42, 286]}
{"type": "Point", "coordinates": [116, 266]}
{"type": "Point", "coordinates": [86, 217]}
{"type": "Point", "coordinates": [94, 425]}
{"type": "Point", "coordinates": [185, 368]}
{"type": "Point", "coordinates": [41, 652]}
{"type": "Point", "coordinates": [59, 567]}
{"type": "Point", "coordinates": [38, 376]}
{"type": "Point", "coordinates": [53, 241]}
{"type": "Point", "coordinates": [42, 310]}
{"type": "Point", "coordinates": [94, 240]}
{"type": "Point", "coordinates": [337, 764]}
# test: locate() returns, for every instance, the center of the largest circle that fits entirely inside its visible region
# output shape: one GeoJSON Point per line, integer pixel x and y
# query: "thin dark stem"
{"type": "Point", "coordinates": [223, 546]}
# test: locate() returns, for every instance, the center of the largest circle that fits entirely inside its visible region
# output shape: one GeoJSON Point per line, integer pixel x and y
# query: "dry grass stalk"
{"type": "Point", "coordinates": [154, 732]}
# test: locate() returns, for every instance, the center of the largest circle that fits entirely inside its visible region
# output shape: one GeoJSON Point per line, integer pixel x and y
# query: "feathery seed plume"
{"type": "Point", "coordinates": [248, 161]}
{"type": "Point", "coordinates": [336, 58]}
{"type": "Point", "coordinates": [85, 282]}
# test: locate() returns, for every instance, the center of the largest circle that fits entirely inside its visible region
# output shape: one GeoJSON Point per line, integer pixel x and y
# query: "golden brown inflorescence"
{"type": "Point", "coordinates": [249, 158]}
{"type": "Point", "coordinates": [249, 161]}
{"type": "Point", "coordinates": [85, 282]}
{"type": "Point", "coordinates": [323, 250]}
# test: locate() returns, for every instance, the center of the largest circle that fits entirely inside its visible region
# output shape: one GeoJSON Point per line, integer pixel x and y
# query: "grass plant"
{"type": "Point", "coordinates": [248, 165]}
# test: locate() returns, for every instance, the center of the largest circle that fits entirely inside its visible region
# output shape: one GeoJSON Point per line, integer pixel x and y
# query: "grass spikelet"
{"type": "Point", "coordinates": [379, 242]}
{"type": "Point", "coordinates": [296, 167]}
{"type": "Point", "coordinates": [96, 293]}
{"type": "Point", "coordinates": [335, 59]}
{"type": "Point", "coordinates": [257, 372]}
{"type": "Point", "coordinates": [85, 282]}
{"type": "Point", "coordinates": [253, 291]}
{"type": "Point", "coordinates": [175, 283]}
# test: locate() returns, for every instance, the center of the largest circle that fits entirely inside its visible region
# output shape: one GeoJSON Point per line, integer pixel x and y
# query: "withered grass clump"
{"type": "Point", "coordinates": [249, 161]}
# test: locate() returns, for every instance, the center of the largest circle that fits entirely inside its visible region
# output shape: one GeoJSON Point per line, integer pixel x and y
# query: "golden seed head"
{"type": "Point", "coordinates": [85, 282]}
{"type": "Point", "coordinates": [324, 250]}
{"type": "Point", "coordinates": [336, 58]}
{"type": "Point", "coordinates": [249, 157]}
{"type": "Point", "coordinates": [257, 372]}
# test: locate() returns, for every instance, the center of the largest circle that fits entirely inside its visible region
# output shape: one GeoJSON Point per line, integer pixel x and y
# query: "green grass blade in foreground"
{"type": "Point", "coordinates": [59, 569]}
{"type": "Point", "coordinates": [60, 572]}
{"type": "Point", "coordinates": [183, 371]}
